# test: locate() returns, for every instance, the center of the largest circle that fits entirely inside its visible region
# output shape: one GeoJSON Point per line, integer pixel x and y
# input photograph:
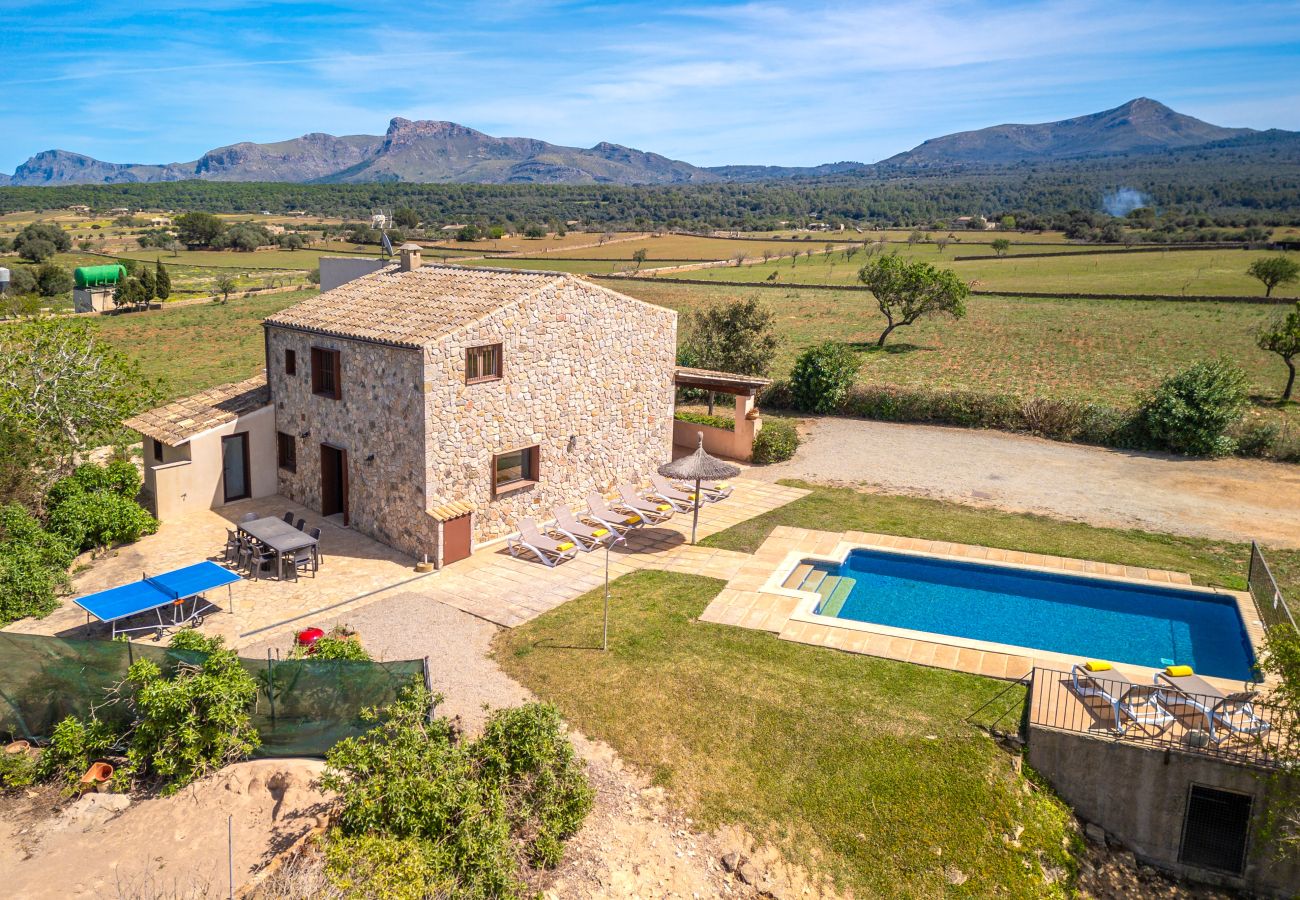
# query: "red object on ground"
{"type": "Point", "coordinates": [309, 636]}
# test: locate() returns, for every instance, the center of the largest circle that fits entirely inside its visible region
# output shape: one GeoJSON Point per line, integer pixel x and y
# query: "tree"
{"type": "Point", "coordinates": [1001, 246]}
{"type": "Point", "coordinates": [1193, 410]}
{"type": "Point", "coordinates": [291, 241]}
{"type": "Point", "coordinates": [128, 293]}
{"type": "Point", "coordinates": [36, 251]}
{"type": "Point", "coordinates": [1280, 658]}
{"type": "Point", "coordinates": [639, 255]}
{"type": "Point", "coordinates": [1273, 271]}
{"type": "Point", "coordinates": [942, 242]}
{"type": "Point", "coordinates": [405, 217]}
{"type": "Point", "coordinates": [225, 285]}
{"type": "Point", "coordinates": [148, 287]}
{"type": "Point", "coordinates": [199, 229]}
{"type": "Point", "coordinates": [1282, 337]}
{"type": "Point", "coordinates": [468, 233]}
{"type": "Point", "coordinates": [162, 282]}
{"type": "Point", "coordinates": [22, 280]}
{"type": "Point", "coordinates": [1009, 223]}
{"type": "Point", "coordinates": [53, 281]}
{"type": "Point", "coordinates": [63, 389]}
{"type": "Point", "coordinates": [534, 232]}
{"type": "Point", "coordinates": [907, 291]}
{"type": "Point", "coordinates": [42, 231]}
{"type": "Point", "coordinates": [738, 337]}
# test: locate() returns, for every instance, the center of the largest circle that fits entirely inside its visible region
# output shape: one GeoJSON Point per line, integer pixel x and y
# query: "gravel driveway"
{"type": "Point", "coordinates": [1227, 499]}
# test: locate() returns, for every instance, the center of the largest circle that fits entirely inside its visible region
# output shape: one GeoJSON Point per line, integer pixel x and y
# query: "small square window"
{"type": "Point", "coordinates": [482, 363]}
{"type": "Point", "coordinates": [287, 451]}
{"type": "Point", "coordinates": [515, 469]}
{"type": "Point", "coordinates": [158, 448]}
{"type": "Point", "coordinates": [290, 362]}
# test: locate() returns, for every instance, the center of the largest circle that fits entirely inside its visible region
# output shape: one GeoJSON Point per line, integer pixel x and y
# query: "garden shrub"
{"type": "Point", "coordinates": [74, 745]}
{"type": "Point", "coordinates": [418, 805]}
{"type": "Point", "coordinates": [340, 642]}
{"type": "Point", "coordinates": [776, 442]}
{"type": "Point", "coordinates": [33, 566]}
{"type": "Point", "coordinates": [95, 506]}
{"type": "Point", "coordinates": [727, 423]}
{"type": "Point", "coordinates": [1192, 411]}
{"type": "Point", "coordinates": [193, 722]}
{"type": "Point", "coordinates": [18, 770]}
{"type": "Point", "coordinates": [1257, 438]}
{"type": "Point", "coordinates": [822, 376]}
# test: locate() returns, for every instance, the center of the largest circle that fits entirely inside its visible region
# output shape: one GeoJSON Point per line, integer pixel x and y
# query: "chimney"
{"type": "Point", "coordinates": [410, 256]}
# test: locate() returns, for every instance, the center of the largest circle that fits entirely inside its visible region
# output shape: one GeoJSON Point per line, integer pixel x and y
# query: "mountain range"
{"type": "Point", "coordinates": [431, 151]}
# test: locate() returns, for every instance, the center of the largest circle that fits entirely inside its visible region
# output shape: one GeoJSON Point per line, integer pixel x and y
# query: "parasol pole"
{"type": "Point", "coordinates": [695, 518]}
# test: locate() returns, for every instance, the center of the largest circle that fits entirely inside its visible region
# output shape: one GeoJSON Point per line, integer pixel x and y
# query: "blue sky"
{"type": "Point", "coordinates": [795, 83]}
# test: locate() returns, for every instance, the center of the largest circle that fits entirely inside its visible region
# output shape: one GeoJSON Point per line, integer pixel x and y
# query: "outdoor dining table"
{"type": "Point", "coordinates": [278, 535]}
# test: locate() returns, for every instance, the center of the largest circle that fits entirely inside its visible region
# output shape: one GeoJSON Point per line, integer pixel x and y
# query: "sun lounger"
{"type": "Point", "coordinates": [662, 489]}
{"type": "Point", "coordinates": [587, 537]}
{"type": "Point", "coordinates": [546, 549]}
{"type": "Point", "coordinates": [710, 491]}
{"type": "Point", "coordinates": [649, 510]}
{"type": "Point", "coordinates": [1225, 714]}
{"type": "Point", "coordinates": [600, 512]}
{"type": "Point", "coordinates": [1130, 703]}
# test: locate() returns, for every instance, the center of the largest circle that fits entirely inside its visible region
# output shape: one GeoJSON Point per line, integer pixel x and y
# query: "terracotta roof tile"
{"type": "Point", "coordinates": [177, 422]}
{"type": "Point", "coordinates": [452, 510]}
{"type": "Point", "coordinates": [412, 309]}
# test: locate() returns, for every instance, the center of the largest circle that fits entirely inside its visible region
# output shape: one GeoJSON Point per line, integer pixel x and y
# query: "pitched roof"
{"type": "Point", "coordinates": [177, 422]}
{"type": "Point", "coordinates": [415, 308]}
{"type": "Point", "coordinates": [726, 382]}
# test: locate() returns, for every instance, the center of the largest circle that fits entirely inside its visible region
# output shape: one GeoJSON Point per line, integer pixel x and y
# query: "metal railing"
{"type": "Point", "coordinates": [1239, 726]}
{"type": "Point", "coordinates": [1263, 588]}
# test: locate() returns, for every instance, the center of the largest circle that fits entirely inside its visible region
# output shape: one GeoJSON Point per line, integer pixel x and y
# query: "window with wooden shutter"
{"type": "Point", "coordinates": [326, 373]}
{"type": "Point", "coordinates": [482, 363]}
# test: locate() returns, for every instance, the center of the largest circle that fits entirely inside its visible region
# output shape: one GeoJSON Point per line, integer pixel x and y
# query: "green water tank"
{"type": "Point", "coordinates": [99, 276]}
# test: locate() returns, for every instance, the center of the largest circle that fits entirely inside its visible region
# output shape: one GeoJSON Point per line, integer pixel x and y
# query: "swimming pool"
{"type": "Point", "coordinates": [1087, 618]}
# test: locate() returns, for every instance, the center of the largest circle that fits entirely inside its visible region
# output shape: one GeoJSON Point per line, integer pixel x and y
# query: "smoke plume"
{"type": "Point", "coordinates": [1122, 201]}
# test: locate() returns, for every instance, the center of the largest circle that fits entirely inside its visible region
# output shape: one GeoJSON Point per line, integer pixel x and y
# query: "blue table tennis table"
{"type": "Point", "coordinates": [181, 590]}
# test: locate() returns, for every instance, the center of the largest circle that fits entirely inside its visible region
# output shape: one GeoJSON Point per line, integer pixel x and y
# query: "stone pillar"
{"type": "Point", "coordinates": [748, 425]}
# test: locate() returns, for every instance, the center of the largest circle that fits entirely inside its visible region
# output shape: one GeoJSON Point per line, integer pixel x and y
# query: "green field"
{"type": "Point", "coordinates": [1203, 272]}
{"type": "Point", "coordinates": [233, 259]}
{"type": "Point", "coordinates": [1107, 350]}
{"type": "Point", "coordinates": [192, 348]}
{"type": "Point", "coordinates": [559, 264]}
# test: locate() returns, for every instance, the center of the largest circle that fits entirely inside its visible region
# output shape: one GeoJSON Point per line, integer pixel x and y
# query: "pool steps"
{"type": "Point", "coordinates": [833, 589]}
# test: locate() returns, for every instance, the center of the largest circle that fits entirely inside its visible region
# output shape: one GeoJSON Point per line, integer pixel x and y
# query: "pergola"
{"type": "Point", "coordinates": [735, 444]}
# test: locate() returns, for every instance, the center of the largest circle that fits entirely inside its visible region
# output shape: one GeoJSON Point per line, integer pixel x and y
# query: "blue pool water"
{"type": "Point", "coordinates": [1084, 617]}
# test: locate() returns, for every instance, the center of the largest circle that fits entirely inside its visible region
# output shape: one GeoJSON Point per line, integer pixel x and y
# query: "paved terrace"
{"type": "Point", "coordinates": [358, 571]}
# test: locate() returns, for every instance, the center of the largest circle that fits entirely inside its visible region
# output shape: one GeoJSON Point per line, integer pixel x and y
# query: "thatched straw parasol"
{"type": "Point", "coordinates": [697, 467]}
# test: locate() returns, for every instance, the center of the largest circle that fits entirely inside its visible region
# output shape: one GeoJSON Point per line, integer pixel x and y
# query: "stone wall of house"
{"type": "Point", "coordinates": [380, 415]}
{"type": "Point", "coordinates": [587, 378]}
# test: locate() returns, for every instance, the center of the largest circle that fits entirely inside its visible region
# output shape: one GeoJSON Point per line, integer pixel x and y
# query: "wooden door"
{"type": "Point", "coordinates": [456, 539]}
{"type": "Point", "coordinates": [334, 481]}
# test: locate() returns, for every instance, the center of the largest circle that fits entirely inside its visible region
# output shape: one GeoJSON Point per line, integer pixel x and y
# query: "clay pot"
{"type": "Point", "coordinates": [18, 747]}
{"type": "Point", "coordinates": [98, 774]}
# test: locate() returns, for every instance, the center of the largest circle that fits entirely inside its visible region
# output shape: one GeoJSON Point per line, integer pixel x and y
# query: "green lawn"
{"type": "Point", "coordinates": [1218, 563]}
{"type": "Point", "coordinates": [856, 768]}
{"type": "Point", "coordinates": [1107, 350]}
{"type": "Point", "coordinates": [192, 348]}
{"type": "Point", "coordinates": [1209, 272]}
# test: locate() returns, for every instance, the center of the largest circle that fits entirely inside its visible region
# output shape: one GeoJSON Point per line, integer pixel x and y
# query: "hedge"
{"type": "Point", "coordinates": [725, 422]}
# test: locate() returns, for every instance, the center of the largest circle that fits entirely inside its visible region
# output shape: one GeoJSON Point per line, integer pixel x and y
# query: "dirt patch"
{"type": "Point", "coordinates": [174, 846]}
{"type": "Point", "coordinates": [1223, 499]}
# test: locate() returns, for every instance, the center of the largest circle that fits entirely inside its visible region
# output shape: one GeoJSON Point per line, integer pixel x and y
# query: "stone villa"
{"type": "Point", "coordinates": [431, 407]}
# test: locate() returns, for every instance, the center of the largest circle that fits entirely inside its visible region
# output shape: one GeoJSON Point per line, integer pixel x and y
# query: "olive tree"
{"type": "Point", "coordinates": [1273, 271]}
{"type": "Point", "coordinates": [738, 337]}
{"type": "Point", "coordinates": [1001, 246]}
{"type": "Point", "coordinates": [225, 285]}
{"type": "Point", "coordinates": [908, 291]}
{"type": "Point", "coordinates": [1282, 336]}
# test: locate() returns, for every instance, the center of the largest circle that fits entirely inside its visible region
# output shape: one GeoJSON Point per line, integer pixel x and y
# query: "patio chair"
{"type": "Point", "coordinates": [315, 548]}
{"type": "Point", "coordinates": [1225, 715]}
{"type": "Point", "coordinates": [302, 525]}
{"type": "Point", "coordinates": [710, 491]}
{"type": "Point", "coordinates": [231, 553]}
{"type": "Point", "coordinates": [662, 489]}
{"type": "Point", "coordinates": [587, 537]}
{"type": "Point", "coordinates": [302, 558]}
{"type": "Point", "coordinates": [288, 518]}
{"type": "Point", "coordinates": [649, 510]}
{"type": "Point", "coordinates": [260, 559]}
{"type": "Point", "coordinates": [1130, 703]}
{"type": "Point", "coordinates": [546, 549]}
{"type": "Point", "coordinates": [621, 523]}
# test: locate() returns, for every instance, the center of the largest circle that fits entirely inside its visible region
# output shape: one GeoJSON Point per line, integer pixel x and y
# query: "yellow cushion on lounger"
{"type": "Point", "coordinates": [599, 532]}
{"type": "Point", "coordinates": [631, 520]}
{"type": "Point", "coordinates": [1178, 671]}
{"type": "Point", "coordinates": [663, 507]}
{"type": "Point", "coordinates": [567, 545]}
{"type": "Point", "coordinates": [1094, 665]}
{"type": "Point", "coordinates": [722, 485]}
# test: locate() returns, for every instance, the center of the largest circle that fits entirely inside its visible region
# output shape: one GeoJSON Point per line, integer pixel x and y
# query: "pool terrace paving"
{"type": "Point", "coordinates": [754, 598]}
{"type": "Point", "coordinates": [358, 571]}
